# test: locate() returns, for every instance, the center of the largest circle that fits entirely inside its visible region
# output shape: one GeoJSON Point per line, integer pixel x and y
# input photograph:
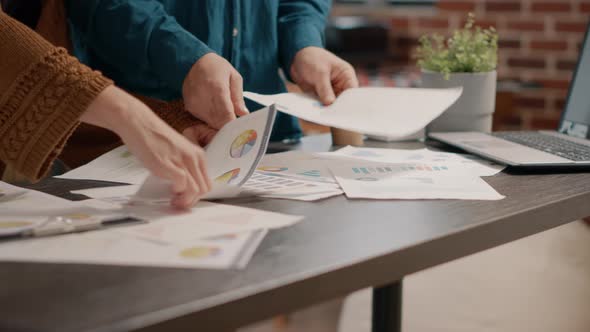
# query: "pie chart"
{"type": "Point", "coordinates": [200, 252]}
{"type": "Point", "coordinates": [272, 169]}
{"type": "Point", "coordinates": [228, 177]}
{"type": "Point", "coordinates": [243, 143]}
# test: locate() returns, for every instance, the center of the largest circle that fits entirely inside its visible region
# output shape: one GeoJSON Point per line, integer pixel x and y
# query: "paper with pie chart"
{"type": "Point", "coordinates": [229, 251]}
{"type": "Point", "coordinates": [232, 157]}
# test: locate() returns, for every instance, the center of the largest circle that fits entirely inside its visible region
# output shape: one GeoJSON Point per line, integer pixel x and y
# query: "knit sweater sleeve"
{"type": "Point", "coordinates": [43, 93]}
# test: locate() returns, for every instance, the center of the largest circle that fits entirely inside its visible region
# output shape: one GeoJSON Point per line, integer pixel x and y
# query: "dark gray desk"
{"type": "Point", "coordinates": [341, 246]}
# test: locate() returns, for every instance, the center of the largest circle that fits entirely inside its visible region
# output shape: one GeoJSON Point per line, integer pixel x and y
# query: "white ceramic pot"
{"type": "Point", "coordinates": [474, 109]}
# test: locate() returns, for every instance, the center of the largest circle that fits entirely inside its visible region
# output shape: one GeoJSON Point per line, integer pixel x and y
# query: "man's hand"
{"type": "Point", "coordinates": [318, 71]}
{"type": "Point", "coordinates": [200, 133]}
{"type": "Point", "coordinates": [213, 91]}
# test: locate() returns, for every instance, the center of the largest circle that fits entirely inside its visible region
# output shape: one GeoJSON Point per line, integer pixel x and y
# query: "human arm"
{"type": "Point", "coordinates": [45, 93]}
{"type": "Point", "coordinates": [154, 40]}
{"type": "Point", "coordinates": [301, 40]}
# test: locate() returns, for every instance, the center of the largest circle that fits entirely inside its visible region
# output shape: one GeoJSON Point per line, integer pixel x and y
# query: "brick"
{"type": "Point", "coordinates": [530, 102]}
{"type": "Point", "coordinates": [503, 6]}
{"type": "Point", "coordinates": [400, 23]}
{"type": "Point", "coordinates": [526, 25]}
{"type": "Point", "coordinates": [509, 43]}
{"type": "Point", "coordinates": [569, 65]}
{"type": "Point", "coordinates": [549, 45]}
{"type": "Point", "coordinates": [570, 27]}
{"type": "Point", "coordinates": [526, 63]}
{"type": "Point", "coordinates": [551, 7]}
{"type": "Point", "coordinates": [456, 6]}
{"type": "Point", "coordinates": [585, 7]}
{"type": "Point", "coordinates": [436, 23]}
{"type": "Point", "coordinates": [554, 84]}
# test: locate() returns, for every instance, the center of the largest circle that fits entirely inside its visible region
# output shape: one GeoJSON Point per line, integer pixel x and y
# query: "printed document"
{"type": "Point", "coordinates": [110, 247]}
{"type": "Point", "coordinates": [474, 164]}
{"type": "Point", "coordinates": [232, 157]}
{"type": "Point", "coordinates": [409, 181]}
{"type": "Point", "coordinates": [392, 112]}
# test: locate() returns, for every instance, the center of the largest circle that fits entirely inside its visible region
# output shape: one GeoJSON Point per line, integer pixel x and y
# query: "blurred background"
{"type": "Point", "coordinates": [539, 45]}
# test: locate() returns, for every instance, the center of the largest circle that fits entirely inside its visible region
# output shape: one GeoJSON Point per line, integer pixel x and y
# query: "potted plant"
{"type": "Point", "coordinates": [469, 59]}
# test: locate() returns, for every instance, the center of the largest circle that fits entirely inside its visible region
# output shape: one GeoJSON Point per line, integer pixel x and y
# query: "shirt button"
{"type": "Point", "coordinates": [235, 32]}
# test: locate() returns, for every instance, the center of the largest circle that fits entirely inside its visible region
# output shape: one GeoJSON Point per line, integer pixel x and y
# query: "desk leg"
{"type": "Point", "coordinates": [387, 308]}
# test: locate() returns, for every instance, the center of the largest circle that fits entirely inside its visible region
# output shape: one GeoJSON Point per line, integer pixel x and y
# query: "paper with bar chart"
{"type": "Point", "coordinates": [410, 181]}
{"type": "Point", "coordinates": [467, 163]}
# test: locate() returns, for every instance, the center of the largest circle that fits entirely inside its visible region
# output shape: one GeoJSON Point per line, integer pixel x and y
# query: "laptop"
{"type": "Point", "coordinates": [569, 146]}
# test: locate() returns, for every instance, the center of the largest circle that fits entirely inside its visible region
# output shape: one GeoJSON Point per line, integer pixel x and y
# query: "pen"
{"type": "Point", "coordinates": [64, 225]}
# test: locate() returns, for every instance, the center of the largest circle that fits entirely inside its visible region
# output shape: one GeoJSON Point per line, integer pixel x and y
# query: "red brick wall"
{"type": "Point", "coordinates": [539, 43]}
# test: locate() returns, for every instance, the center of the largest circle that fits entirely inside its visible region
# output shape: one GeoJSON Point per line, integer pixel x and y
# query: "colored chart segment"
{"type": "Point", "coordinates": [243, 143]}
{"type": "Point", "coordinates": [14, 224]}
{"type": "Point", "coordinates": [272, 169]}
{"type": "Point", "coordinates": [366, 153]}
{"type": "Point", "coordinates": [200, 252]}
{"type": "Point", "coordinates": [10, 227]}
{"type": "Point", "coordinates": [313, 173]}
{"type": "Point", "coordinates": [229, 177]}
{"type": "Point", "coordinates": [398, 168]}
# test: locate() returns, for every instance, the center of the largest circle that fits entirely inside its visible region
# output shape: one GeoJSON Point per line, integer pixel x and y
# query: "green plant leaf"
{"type": "Point", "coordinates": [469, 50]}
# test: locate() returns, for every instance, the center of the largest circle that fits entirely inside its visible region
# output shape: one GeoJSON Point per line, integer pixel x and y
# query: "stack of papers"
{"type": "Point", "coordinates": [220, 236]}
{"type": "Point", "coordinates": [359, 172]}
{"type": "Point", "coordinates": [412, 174]}
{"type": "Point", "coordinates": [207, 236]}
{"type": "Point", "coordinates": [386, 173]}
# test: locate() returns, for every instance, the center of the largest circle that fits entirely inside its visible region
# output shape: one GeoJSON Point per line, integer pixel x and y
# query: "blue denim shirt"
{"type": "Point", "coordinates": [148, 46]}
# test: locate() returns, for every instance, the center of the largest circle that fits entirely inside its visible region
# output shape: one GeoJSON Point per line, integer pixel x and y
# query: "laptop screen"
{"type": "Point", "coordinates": [576, 119]}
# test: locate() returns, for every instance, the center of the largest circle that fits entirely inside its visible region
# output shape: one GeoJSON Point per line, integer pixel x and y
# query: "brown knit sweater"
{"type": "Point", "coordinates": [43, 93]}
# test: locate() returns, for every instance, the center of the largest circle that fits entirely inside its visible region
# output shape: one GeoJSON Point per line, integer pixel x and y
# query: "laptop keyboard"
{"type": "Point", "coordinates": [547, 143]}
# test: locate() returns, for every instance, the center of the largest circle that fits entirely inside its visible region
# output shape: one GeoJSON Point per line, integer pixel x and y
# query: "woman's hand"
{"type": "Point", "coordinates": [162, 150]}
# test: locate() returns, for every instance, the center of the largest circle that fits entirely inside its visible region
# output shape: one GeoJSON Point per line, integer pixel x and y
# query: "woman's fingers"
{"type": "Point", "coordinates": [192, 165]}
{"type": "Point", "coordinates": [189, 197]}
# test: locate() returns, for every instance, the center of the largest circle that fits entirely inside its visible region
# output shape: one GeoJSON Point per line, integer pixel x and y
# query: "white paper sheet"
{"type": "Point", "coordinates": [297, 165]}
{"type": "Point", "coordinates": [471, 163]}
{"type": "Point", "coordinates": [392, 112]}
{"type": "Point", "coordinates": [232, 157]}
{"type": "Point", "coordinates": [404, 181]}
{"type": "Point", "coordinates": [304, 194]}
{"type": "Point", "coordinates": [109, 192]}
{"type": "Point", "coordinates": [274, 185]}
{"type": "Point", "coordinates": [118, 165]}
{"type": "Point", "coordinates": [23, 209]}
{"type": "Point", "coordinates": [111, 247]}
{"type": "Point", "coordinates": [169, 238]}
{"type": "Point", "coordinates": [202, 221]}
{"type": "Point", "coordinates": [35, 203]}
